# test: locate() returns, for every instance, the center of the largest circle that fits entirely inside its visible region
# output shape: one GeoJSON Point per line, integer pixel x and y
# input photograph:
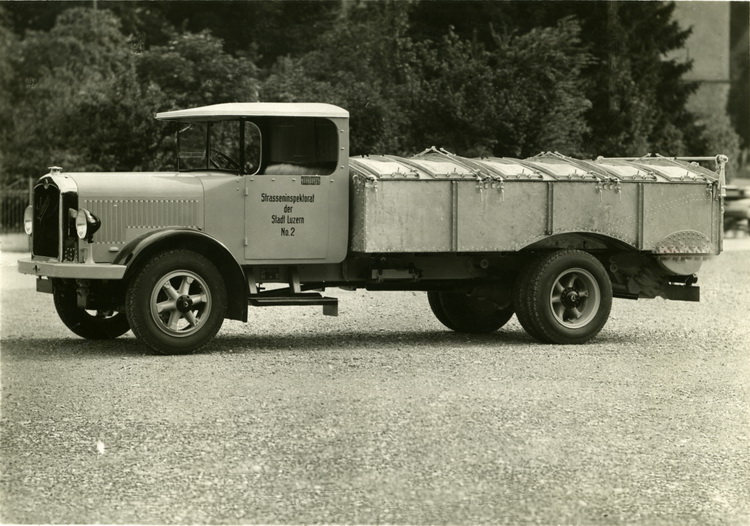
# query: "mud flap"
{"type": "Point", "coordinates": [44, 285]}
{"type": "Point", "coordinates": [682, 293]}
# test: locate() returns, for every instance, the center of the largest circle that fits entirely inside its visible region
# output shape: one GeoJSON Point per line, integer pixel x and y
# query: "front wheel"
{"type": "Point", "coordinates": [93, 325]}
{"type": "Point", "coordinates": [564, 297]}
{"type": "Point", "coordinates": [177, 302]}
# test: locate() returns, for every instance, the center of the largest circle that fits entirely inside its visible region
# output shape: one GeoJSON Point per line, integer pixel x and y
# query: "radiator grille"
{"type": "Point", "coordinates": [46, 220]}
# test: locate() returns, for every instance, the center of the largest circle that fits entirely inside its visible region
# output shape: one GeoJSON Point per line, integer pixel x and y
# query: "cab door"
{"type": "Point", "coordinates": [299, 195]}
{"type": "Point", "coordinates": [286, 217]}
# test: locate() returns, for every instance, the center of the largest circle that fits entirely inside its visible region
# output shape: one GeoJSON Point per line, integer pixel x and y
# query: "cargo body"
{"type": "Point", "coordinates": [266, 208]}
{"type": "Point", "coordinates": [443, 203]}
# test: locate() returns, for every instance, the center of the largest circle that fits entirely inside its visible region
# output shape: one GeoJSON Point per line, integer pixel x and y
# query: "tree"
{"type": "Point", "coordinates": [7, 43]}
{"type": "Point", "coordinates": [84, 96]}
{"type": "Point", "coordinates": [76, 101]}
{"type": "Point", "coordinates": [354, 66]}
{"type": "Point", "coordinates": [262, 30]}
{"type": "Point", "coordinates": [192, 69]}
{"type": "Point", "coordinates": [265, 31]}
{"type": "Point", "coordinates": [638, 96]}
{"type": "Point", "coordinates": [516, 95]}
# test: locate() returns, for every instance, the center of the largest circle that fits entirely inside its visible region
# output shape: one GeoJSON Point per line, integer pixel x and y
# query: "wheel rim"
{"type": "Point", "coordinates": [575, 298]}
{"type": "Point", "coordinates": [180, 303]}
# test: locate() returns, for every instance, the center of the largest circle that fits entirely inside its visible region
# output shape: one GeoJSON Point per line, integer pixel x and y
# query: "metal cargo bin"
{"type": "Point", "coordinates": [439, 202]}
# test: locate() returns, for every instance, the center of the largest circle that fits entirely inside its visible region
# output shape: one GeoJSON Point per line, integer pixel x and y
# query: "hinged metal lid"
{"type": "Point", "coordinates": [435, 164]}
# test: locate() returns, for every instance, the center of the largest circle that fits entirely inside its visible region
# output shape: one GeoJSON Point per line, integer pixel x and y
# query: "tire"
{"type": "Point", "coordinates": [176, 302]}
{"type": "Point", "coordinates": [101, 325]}
{"type": "Point", "coordinates": [462, 313]}
{"type": "Point", "coordinates": [433, 298]}
{"type": "Point", "coordinates": [521, 296]}
{"type": "Point", "coordinates": [566, 298]}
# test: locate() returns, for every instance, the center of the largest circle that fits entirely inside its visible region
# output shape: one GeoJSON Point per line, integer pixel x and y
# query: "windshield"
{"type": "Point", "coordinates": [232, 146]}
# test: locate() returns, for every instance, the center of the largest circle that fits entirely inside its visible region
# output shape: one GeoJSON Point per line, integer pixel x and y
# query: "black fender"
{"type": "Point", "coordinates": [579, 240]}
{"type": "Point", "coordinates": [137, 252]}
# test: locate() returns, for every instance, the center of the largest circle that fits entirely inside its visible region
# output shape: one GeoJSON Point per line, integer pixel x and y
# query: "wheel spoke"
{"type": "Point", "coordinates": [190, 316]}
{"type": "Point", "coordinates": [559, 309]}
{"type": "Point", "coordinates": [174, 319]}
{"type": "Point", "coordinates": [185, 285]}
{"type": "Point", "coordinates": [571, 280]}
{"type": "Point", "coordinates": [574, 313]}
{"type": "Point", "coordinates": [197, 299]}
{"type": "Point", "coordinates": [169, 289]}
{"type": "Point", "coordinates": [169, 305]}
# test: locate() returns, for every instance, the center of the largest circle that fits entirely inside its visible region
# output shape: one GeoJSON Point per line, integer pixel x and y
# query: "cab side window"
{"type": "Point", "coordinates": [302, 145]}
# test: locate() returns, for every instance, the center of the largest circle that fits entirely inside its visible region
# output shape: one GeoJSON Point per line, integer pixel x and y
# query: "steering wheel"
{"type": "Point", "coordinates": [217, 158]}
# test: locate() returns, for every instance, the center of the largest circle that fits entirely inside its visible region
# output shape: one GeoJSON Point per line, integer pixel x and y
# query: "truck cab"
{"type": "Point", "coordinates": [275, 178]}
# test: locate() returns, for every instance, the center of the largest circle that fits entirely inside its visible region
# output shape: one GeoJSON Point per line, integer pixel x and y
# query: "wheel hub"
{"type": "Point", "coordinates": [184, 303]}
{"type": "Point", "coordinates": [570, 298]}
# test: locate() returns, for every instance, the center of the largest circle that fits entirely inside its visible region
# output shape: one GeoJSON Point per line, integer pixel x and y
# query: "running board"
{"type": "Point", "coordinates": [330, 305]}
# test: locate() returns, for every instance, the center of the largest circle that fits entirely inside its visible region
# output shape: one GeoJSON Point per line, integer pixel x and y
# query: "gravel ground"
{"type": "Point", "coordinates": [382, 416]}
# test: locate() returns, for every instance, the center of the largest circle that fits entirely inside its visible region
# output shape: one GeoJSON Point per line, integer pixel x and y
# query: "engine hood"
{"type": "Point", "coordinates": [131, 203]}
{"type": "Point", "coordinates": [131, 185]}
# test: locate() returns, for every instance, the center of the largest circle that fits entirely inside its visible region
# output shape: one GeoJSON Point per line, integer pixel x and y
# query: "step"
{"type": "Point", "coordinates": [330, 305]}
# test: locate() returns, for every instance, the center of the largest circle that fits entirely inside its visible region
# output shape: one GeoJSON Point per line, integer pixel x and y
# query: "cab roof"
{"type": "Point", "coordinates": [254, 109]}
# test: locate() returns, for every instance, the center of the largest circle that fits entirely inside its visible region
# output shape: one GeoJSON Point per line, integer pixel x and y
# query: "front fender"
{"type": "Point", "coordinates": [133, 250]}
{"type": "Point", "coordinates": [140, 250]}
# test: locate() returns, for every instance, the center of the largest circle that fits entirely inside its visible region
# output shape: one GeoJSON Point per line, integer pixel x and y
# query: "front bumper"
{"type": "Point", "coordinates": [55, 269]}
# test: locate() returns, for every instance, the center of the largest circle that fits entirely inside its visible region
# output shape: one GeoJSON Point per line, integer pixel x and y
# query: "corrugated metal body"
{"type": "Point", "coordinates": [407, 213]}
{"type": "Point", "coordinates": [439, 202]}
{"type": "Point", "coordinates": [669, 209]}
{"type": "Point", "coordinates": [489, 218]}
{"type": "Point", "coordinates": [597, 209]}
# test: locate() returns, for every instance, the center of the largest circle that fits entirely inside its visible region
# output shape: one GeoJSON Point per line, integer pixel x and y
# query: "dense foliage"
{"type": "Point", "coordinates": [79, 84]}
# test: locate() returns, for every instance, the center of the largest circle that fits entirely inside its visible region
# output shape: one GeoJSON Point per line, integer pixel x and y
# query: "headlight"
{"type": "Point", "coordinates": [28, 219]}
{"type": "Point", "coordinates": [86, 225]}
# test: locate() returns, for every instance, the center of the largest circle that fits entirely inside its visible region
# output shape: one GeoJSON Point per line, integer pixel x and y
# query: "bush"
{"type": "Point", "coordinates": [719, 137]}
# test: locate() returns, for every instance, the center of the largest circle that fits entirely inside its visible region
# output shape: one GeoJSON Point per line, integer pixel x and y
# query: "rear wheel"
{"type": "Point", "coordinates": [463, 313]}
{"type": "Point", "coordinates": [433, 298]}
{"type": "Point", "coordinates": [90, 324]}
{"type": "Point", "coordinates": [177, 302]}
{"type": "Point", "coordinates": [564, 297]}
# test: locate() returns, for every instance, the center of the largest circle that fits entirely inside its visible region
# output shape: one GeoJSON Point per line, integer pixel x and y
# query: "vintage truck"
{"type": "Point", "coordinates": [267, 208]}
